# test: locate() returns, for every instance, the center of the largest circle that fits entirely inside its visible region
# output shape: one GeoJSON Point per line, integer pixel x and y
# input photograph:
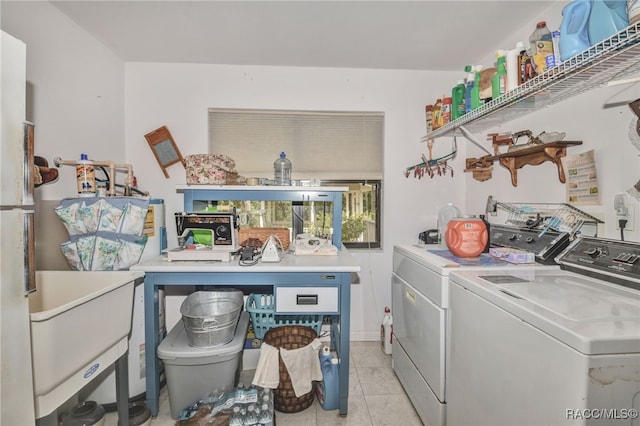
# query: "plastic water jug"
{"type": "Point", "coordinates": [574, 29]}
{"type": "Point", "coordinates": [607, 18]}
{"type": "Point", "coordinates": [541, 47]}
{"type": "Point", "coordinates": [327, 389]}
{"type": "Point", "coordinates": [282, 170]}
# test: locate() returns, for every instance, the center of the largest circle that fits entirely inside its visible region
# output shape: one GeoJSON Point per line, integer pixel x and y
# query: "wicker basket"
{"type": "Point", "coordinates": [290, 337]}
{"type": "Point", "coordinates": [262, 235]}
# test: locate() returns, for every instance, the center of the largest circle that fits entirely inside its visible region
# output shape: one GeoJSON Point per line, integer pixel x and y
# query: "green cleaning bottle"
{"type": "Point", "coordinates": [457, 96]}
{"type": "Point", "coordinates": [475, 90]}
{"type": "Point", "coordinates": [499, 80]}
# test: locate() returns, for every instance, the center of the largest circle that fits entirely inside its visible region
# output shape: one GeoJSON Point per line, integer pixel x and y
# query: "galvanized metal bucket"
{"type": "Point", "coordinates": [210, 317]}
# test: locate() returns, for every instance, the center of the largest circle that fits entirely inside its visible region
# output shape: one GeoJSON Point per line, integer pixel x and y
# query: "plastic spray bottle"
{"type": "Point", "coordinates": [457, 104]}
{"type": "Point", "coordinates": [499, 79]}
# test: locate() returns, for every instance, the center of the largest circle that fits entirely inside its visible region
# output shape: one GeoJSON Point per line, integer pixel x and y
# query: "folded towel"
{"type": "Point", "coordinates": [267, 373]}
{"type": "Point", "coordinates": [303, 365]}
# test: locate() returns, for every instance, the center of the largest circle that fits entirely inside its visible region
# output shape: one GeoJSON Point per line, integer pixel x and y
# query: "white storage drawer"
{"type": "Point", "coordinates": [307, 299]}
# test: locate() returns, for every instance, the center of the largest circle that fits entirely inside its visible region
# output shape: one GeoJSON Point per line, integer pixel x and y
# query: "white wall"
{"type": "Point", "coordinates": [75, 98]}
{"type": "Point", "coordinates": [75, 89]}
{"type": "Point", "coordinates": [178, 96]}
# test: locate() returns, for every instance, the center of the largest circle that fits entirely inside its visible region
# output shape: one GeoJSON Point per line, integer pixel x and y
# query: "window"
{"type": "Point", "coordinates": [338, 148]}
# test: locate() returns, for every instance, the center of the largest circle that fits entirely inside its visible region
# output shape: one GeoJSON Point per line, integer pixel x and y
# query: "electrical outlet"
{"type": "Point", "coordinates": [631, 212]}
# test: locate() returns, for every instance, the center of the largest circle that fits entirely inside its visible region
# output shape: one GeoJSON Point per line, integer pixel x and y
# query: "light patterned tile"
{"type": "Point", "coordinates": [305, 417]}
{"type": "Point", "coordinates": [369, 354]}
{"type": "Point", "coordinates": [358, 414]}
{"type": "Point", "coordinates": [379, 381]}
{"type": "Point", "coordinates": [354, 383]}
{"type": "Point", "coordinates": [392, 410]}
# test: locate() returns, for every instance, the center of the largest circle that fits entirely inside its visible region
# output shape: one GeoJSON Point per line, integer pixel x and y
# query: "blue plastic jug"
{"type": "Point", "coordinates": [574, 29]}
{"type": "Point", "coordinates": [607, 18]}
{"type": "Point", "coordinates": [327, 389]}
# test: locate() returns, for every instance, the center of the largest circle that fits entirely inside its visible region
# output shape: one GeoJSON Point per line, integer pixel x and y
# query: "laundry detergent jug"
{"type": "Point", "coordinates": [466, 236]}
{"type": "Point", "coordinates": [607, 18]}
{"type": "Point", "coordinates": [574, 29]}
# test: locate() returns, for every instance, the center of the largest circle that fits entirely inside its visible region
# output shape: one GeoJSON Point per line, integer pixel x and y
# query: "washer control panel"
{"type": "Point", "coordinates": [609, 257]}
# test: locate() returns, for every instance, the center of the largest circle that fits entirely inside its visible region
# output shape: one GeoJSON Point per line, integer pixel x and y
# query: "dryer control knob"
{"type": "Point", "coordinates": [593, 252]}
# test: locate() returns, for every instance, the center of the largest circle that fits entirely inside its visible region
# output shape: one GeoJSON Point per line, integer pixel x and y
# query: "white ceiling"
{"type": "Point", "coordinates": [410, 35]}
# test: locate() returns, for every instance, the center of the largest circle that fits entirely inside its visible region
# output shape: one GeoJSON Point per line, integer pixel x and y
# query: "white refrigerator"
{"type": "Point", "coordinates": [17, 251]}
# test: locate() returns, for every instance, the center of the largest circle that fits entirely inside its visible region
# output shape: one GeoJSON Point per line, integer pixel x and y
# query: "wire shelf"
{"type": "Point", "coordinates": [613, 58]}
{"type": "Point", "coordinates": [559, 217]}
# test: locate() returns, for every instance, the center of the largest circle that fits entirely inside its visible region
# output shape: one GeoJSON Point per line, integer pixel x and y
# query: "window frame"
{"type": "Point", "coordinates": [377, 184]}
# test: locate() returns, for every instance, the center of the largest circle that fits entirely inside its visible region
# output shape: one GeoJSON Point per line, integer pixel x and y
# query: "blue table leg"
{"type": "Point", "coordinates": [345, 306]}
{"type": "Point", "coordinates": [151, 343]}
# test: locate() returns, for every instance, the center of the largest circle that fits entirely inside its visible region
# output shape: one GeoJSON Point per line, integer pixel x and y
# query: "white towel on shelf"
{"type": "Point", "coordinates": [303, 366]}
{"type": "Point", "coordinates": [267, 373]}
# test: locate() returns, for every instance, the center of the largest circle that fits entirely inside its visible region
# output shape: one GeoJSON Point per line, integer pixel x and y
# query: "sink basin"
{"type": "Point", "coordinates": [79, 326]}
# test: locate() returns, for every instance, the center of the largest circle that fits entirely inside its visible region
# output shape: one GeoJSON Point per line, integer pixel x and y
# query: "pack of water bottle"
{"type": "Point", "coordinates": [242, 406]}
{"type": "Point", "coordinates": [258, 413]}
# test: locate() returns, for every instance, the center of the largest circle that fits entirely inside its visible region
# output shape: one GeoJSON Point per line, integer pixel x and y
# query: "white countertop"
{"type": "Point", "coordinates": [342, 262]}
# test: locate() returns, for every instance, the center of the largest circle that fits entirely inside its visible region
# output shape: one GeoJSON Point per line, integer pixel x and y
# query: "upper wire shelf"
{"type": "Point", "coordinates": [612, 58]}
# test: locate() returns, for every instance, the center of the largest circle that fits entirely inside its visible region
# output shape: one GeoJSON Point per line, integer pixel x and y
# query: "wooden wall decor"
{"type": "Point", "coordinates": [164, 148]}
{"type": "Point", "coordinates": [533, 153]}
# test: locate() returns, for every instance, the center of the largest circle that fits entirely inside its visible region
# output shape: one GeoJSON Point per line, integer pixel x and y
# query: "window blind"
{"type": "Point", "coordinates": [320, 144]}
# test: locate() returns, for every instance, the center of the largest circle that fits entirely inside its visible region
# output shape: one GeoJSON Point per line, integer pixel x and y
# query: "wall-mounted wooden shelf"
{"type": "Point", "coordinates": [532, 154]}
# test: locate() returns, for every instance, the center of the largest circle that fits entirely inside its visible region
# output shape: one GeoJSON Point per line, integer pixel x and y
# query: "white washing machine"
{"type": "Point", "coordinates": [420, 304]}
{"type": "Point", "coordinates": [533, 347]}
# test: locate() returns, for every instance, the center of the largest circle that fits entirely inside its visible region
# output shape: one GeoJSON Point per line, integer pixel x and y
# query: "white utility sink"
{"type": "Point", "coordinates": [80, 322]}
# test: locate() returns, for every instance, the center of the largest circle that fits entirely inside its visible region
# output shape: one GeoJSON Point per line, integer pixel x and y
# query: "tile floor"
{"type": "Point", "coordinates": [376, 397]}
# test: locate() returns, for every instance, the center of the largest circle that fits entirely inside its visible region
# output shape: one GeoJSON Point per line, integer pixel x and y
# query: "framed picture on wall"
{"type": "Point", "coordinates": [164, 148]}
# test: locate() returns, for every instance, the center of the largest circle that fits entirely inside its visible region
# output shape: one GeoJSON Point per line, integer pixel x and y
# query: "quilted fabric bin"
{"type": "Point", "coordinates": [212, 169]}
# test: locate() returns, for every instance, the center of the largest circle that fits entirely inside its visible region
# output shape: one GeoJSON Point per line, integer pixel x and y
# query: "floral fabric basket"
{"type": "Point", "coordinates": [212, 169]}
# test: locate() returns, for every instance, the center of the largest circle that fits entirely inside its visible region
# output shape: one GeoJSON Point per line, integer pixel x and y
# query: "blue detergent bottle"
{"type": "Point", "coordinates": [327, 389]}
{"type": "Point", "coordinates": [574, 29]}
{"type": "Point", "coordinates": [607, 18]}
